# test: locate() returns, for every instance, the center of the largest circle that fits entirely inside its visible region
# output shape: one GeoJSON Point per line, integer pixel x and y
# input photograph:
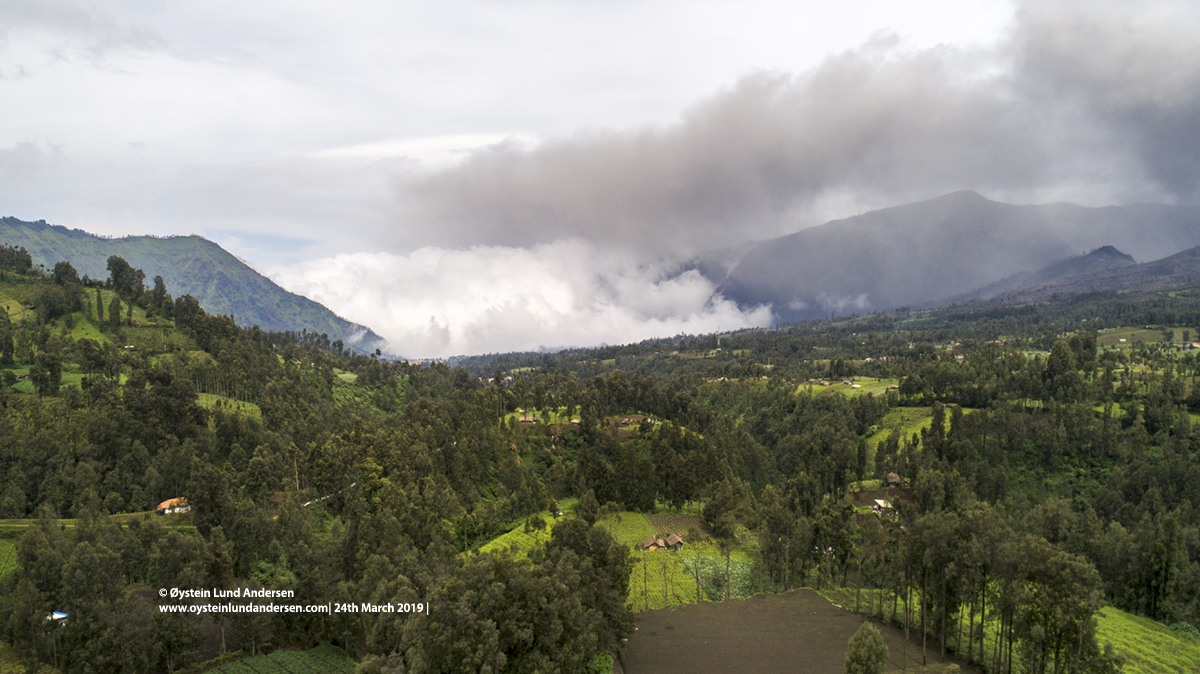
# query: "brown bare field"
{"type": "Point", "coordinates": [666, 523]}
{"type": "Point", "coordinates": [798, 632]}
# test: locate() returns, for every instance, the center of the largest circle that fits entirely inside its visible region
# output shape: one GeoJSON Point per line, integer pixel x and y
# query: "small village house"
{"type": "Point", "coordinates": [174, 506]}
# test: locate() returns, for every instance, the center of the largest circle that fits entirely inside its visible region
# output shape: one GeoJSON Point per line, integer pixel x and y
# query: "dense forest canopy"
{"type": "Point", "coordinates": [1056, 470]}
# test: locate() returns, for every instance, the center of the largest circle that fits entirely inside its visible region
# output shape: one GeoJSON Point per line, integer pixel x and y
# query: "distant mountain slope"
{"type": "Point", "coordinates": [189, 265]}
{"type": "Point", "coordinates": [1178, 270]}
{"type": "Point", "coordinates": [1099, 260]}
{"type": "Point", "coordinates": [934, 250]}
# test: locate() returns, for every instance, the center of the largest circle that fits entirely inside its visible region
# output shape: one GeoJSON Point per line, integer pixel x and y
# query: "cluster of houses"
{"type": "Point", "coordinates": [672, 542]}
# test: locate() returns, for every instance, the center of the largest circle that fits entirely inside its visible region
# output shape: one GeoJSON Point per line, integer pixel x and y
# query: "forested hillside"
{"type": "Point", "coordinates": [1046, 454]}
{"type": "Point", "coordinates": [189, 265]}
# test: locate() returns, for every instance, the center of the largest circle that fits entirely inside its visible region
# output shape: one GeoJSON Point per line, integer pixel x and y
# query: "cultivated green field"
{"type": "Point", "coordinates": [1131, 336]}
{"type": "Point", "coordinates": [1149, 647]}
{"type": "Point", "coordinates": [660, 579]}
{"type": "Point", "coordinates": [866, 385]}
{"type": "Point", "coordinates": [628, 528]}
{"type": "Point", "coordinates": [8, 558]}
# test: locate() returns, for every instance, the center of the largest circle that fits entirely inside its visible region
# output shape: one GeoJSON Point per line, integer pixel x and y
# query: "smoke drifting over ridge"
{"type": "Point", "coordinates": [580, 239]}
{"type": "Point", "coordinates": [439, 302]}
{"type": "Point", "coordinates": [1094, 107]}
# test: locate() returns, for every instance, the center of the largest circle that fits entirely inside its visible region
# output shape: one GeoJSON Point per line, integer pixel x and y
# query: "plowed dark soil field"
{"type": "Point", "coordinates": [799, 632]}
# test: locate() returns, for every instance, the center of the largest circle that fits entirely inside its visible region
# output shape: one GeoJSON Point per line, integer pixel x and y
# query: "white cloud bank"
{"type": "Point", "coordinates": [437, 302]}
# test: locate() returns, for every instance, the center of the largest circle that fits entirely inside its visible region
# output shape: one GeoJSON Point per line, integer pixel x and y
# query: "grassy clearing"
{"type": "Point", "coordinates": [1177, 335]}
{"type": "Point", "coordinates": [1110, 338]}
{"type": "Point", "coordinates": [16, 294]}
{"type": "Point", "coordinates": [8, 558]}
{"type": "Point", "coordinates": [865, 385]}
{"type": "Point", "coordinates": [903, 420]}
{"type": "Point", "coordinates": [16, 310]}
{"type": "Point", "coordinates": [517, 541]}
{"type": "Point", "coordinates": [350, 393]}
{"type": "Point", "coordinates": [156, 339]}
{"type": "Point", "coordinates": [557, 415]}
{"type": "Point", "coordinates": [211, 401]}
{"type": "Point", "coordinates": [71, 378]}
{"type": "Point", "coordinates": [85, 329]}
{"type": "Point", "coordinates": [1149, 647]}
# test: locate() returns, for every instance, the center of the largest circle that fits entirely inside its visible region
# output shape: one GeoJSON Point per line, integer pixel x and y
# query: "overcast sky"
{"type": "Point", "coordinates": [468, 177]}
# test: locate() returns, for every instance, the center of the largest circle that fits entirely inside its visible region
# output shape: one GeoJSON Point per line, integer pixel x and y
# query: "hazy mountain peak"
{"type": "Point", "coordinates": [930, 251]}
{"type": "Point", "coordinates": [189, 265]}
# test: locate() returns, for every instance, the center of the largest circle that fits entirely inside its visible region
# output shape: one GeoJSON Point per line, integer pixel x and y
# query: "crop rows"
{"type": "Point", "coordinates": [665, 524]}
{"type": "Point", "coordinates": [628, 528]}
{"type": "Point", "coordinates": [660, 579]}
{"type": "Point", "coordinates": [8, 557]}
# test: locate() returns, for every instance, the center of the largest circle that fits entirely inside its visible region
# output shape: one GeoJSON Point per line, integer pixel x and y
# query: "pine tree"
{"type": "Point", "coordinates": [867, 653]}
{"type": "Point", "coordinates": [114, 315]}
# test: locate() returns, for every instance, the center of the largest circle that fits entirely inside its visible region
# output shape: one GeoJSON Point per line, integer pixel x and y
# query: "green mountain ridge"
{"type": "Point", "coordinates": [190, 265]}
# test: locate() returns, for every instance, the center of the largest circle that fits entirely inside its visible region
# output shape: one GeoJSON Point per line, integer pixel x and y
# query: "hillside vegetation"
{"type": "Point", "coordinates": [1046, 470]}
{"type": "Point", "coordinates": [189, 265]}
